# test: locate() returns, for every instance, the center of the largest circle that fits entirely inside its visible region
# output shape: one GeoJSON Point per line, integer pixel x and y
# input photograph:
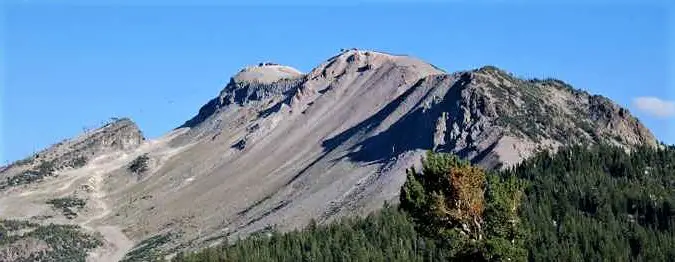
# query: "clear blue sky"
{"type": "Point", "coordinates": [69, 66]}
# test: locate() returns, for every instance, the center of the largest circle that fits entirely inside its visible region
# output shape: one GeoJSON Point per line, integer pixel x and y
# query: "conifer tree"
{"type": "Point", "coordinates": [449, 201]}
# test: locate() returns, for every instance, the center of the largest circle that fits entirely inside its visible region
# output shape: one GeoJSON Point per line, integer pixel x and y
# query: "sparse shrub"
{"type": "Point", "coordinates": [67, 205]}
{"type": "Point", "coordinates": [24, 161]}
{"type": "Point", "coordinates": [147, 250]}
{"type": "Point", "coordinates": [65, 242]}
{"type": "Point", "coordinates": [140, 164]}
{"type": "Point", "coordinates": [25, 178]}
{"type": "Point", "coordinates": [46, 168]}
{"type": "Point", "coordinates": [79, 162]}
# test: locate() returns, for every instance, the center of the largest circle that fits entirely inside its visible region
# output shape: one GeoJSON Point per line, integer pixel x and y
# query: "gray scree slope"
{"type": "Point", "coordinates": [277, 148]}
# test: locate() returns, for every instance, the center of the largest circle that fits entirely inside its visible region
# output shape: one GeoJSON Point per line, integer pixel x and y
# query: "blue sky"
{"type": "Point", "coordinates": [69, 67]}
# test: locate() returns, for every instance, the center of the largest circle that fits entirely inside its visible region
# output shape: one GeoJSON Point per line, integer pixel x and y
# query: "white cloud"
{"type": "Point", "coordinates": [655, 106]}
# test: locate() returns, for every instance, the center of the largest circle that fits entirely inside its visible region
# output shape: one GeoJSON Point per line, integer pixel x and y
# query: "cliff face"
{"type": "Point", "coordinates": [276, 148]}
{"type": "Point", "coordinates": [497, 120]}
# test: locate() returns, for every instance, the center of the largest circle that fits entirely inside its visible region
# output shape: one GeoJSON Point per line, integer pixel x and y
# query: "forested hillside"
{"type": "Point", "coordinates": [581, 204]}
{"type": "Point", "coordinates": [387, 235]}
{"type": "Point", "coordinates": [600, 204]}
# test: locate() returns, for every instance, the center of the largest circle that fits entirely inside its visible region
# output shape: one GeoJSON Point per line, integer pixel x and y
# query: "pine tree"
{"type": "Point", "coordinates": [449, 201]}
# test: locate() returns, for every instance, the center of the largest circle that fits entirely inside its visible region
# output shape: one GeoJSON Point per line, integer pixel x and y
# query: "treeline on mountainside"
{"type": "Point", "coordinates": [582, 203]}
{"type": "Point", "coordinates": [449, 211]}
{"type": "Point", "coordinates": [387, 235]}
{"type": "Point", "coordinates": [600, 204]}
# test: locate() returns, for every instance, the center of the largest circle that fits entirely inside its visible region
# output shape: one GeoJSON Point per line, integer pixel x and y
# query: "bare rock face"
{"type": "Point", "coordinates": [118, 135]}
{"type": "Point", "coordinates": [497, 120]}
{"type": "Point", "coordinates": [276, 148]}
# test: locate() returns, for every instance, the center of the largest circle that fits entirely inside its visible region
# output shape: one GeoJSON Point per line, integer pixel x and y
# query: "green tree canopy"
{"type": "Point", "coordinates": [471, 213]}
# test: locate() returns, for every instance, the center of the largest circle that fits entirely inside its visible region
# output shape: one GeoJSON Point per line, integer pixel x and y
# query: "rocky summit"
{"type": "Point", "coordinates": [277, 147]}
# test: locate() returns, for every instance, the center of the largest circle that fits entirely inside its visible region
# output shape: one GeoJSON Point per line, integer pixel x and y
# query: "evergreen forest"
{"type": "Point", "coordinates": [597, 203]}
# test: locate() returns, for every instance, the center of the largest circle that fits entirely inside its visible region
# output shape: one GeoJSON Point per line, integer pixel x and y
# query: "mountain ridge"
{"type": "Point", "coordinates": [332, 142]}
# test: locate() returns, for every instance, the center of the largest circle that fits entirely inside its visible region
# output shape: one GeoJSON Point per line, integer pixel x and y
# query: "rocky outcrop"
{"type": "Point", "coordinates": [498, 119]}
{"type": "Point", "coordinates": [117, 135]}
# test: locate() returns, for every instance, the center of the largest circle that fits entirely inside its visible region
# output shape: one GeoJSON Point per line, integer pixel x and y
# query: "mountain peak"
{"type": "Point", "coordinates": [118, 134]}
{"type": "Point", "coordinates": [358, 61]}
{"type": "Point", "coordinates": [266, 72]}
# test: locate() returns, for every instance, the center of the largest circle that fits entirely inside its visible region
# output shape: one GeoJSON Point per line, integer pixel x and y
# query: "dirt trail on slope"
{"type": "Point", "coordinates": [117, 244]}
{"type": "Point", "coordinates": [31, 201]}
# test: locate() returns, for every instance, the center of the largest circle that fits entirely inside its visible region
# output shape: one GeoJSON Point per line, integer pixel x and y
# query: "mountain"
{"type": "Point", "coordinates": [592, 203]}
{"type": "Point", "coordinates": [277, 148]}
